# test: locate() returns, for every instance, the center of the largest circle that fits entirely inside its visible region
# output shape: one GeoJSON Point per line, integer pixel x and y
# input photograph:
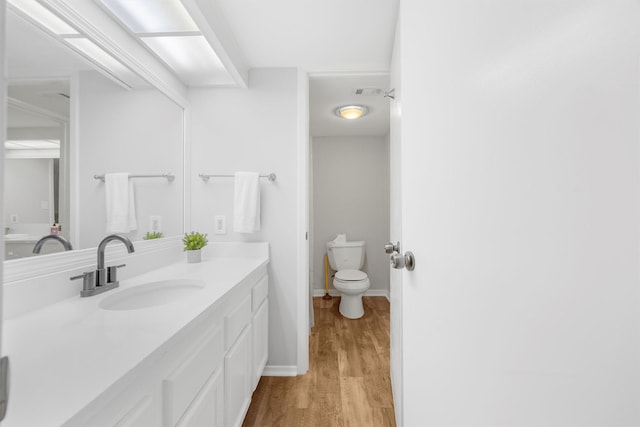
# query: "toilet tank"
{"type": "Point", "coordinates": [346, 255]}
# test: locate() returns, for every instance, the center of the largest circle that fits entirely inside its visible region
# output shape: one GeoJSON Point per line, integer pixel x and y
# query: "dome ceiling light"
{"type": "Point", "coordinates": [352, 112]}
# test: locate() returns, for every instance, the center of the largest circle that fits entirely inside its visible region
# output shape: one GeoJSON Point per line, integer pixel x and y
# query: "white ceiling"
{"type": "Point", "coordinates": [341, 43]}
{"type": "Point", "coordinates": [317, 35]}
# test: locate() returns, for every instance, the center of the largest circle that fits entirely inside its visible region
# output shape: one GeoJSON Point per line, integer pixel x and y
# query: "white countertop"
{"type": "Point", "coordinates": [65, 355]}
{"type": "Point", "coordinates": [21, 238]}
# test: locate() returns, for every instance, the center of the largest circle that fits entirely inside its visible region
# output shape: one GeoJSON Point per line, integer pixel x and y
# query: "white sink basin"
{"type": "Point", "coordinates": [151, 294]}
{"type": "Point", "coordinates": [14, 236]}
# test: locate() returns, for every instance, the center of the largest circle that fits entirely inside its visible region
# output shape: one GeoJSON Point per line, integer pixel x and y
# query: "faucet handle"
{"type": "Point", "coordinates": [88, 283]}
{"type": "Point", "coordinates": [112, 273]}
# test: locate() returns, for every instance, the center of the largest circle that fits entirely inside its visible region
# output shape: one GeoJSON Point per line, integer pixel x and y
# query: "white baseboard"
{"type": "Point", "coordinates": [368, 293]}
{"type": "Point", "coordinates": [280, 370]}
{"type": "Point", "coordinates": [320, 293]}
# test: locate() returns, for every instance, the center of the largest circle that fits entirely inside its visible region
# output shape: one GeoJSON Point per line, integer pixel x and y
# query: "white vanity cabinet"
{"type": "Point", "coordinates": [203, 376]}
{"type": "Point", "coordinates": [247, 351]}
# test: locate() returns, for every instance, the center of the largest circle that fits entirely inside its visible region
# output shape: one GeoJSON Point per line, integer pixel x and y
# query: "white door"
{"type": "Point", "coordinates": [520, 199]}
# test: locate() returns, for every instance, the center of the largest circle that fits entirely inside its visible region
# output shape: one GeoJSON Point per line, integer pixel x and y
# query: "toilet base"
{"type": "Point", "coordinates": [351, 306]}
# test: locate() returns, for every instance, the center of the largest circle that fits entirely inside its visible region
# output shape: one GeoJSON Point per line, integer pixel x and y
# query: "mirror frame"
{"type": "Point", "coordinates": [118, 43]}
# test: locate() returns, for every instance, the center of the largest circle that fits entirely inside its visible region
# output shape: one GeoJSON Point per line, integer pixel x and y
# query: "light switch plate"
{"type": "Point", "coordinates": [155, 223]}
{"type": "Point", "coordinates": [221, 224]}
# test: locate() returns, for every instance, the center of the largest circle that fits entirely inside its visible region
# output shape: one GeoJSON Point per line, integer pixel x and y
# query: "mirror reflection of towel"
{"type": "Point", "coordinates": [120, 201]}
{"type": "Point", "coordinates": [246, 204]}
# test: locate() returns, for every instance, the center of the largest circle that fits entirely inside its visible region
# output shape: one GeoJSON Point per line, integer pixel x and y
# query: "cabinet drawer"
{"type": "Point", "coordinates": [182, 386]}
{"type": "Point", "coordinates": [259, 293]}
{"type": "Point", "coordinates": [235, 321]}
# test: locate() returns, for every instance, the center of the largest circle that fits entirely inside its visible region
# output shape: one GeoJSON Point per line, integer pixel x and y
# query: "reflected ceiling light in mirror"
{"type": "Point", "coordinates": [351, 112]}
{"type": "Point", "coordinates": [167, 16]}
{"type": "Point", "coordinates": [42, 16]}
{"type": "Point", "coordinates": [101, 58]}
{"type": "Point", "coordinates": [52, 24]}
{"type": "Point", "coordinates": [32, 149]}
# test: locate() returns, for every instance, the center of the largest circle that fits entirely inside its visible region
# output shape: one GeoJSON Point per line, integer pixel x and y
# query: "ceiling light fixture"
{"type": "Point", "coordinates": [166, 28]}
{"type": "Point", "coordinates": [352, 112]}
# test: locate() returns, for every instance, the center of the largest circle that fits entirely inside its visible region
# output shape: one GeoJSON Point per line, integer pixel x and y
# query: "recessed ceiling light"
{"type": "Point", "coordinates": [166, 16]}
{"type": "Point", "coordinates": [351, 112]}
{"type": "Point", "coordinates": [43, 17]}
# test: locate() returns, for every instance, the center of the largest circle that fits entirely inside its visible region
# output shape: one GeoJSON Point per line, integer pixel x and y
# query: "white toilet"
{"type": "Point", "coordinates": [347, 258]}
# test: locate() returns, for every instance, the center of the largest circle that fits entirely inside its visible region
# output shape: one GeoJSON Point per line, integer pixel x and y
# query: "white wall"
{"type": "Point", "coordinates": [254, 129]}
{"type": "Point", "coordinates": [31, 182]}
{"type": "Point", "coordinates": [520, 129]}
{"type": "Point", "coordinates": [351, 195]}
{"type": "Point", "coordinates": [138, 131]}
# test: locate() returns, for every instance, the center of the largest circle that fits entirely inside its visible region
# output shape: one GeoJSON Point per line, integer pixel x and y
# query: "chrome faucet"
{"type": "Point", "coordinates": [103, 279]}
{"type": "Point", "coordinates": [40, 243]}
{"type": "Point", "coordinates": [108, 276]}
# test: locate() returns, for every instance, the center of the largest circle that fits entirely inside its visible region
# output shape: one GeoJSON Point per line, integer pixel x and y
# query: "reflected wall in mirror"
{"type": "Point", "coordinates": [59, 98]}
{"type": "Point", "coordinates": [36, 165]}
{"type": "Point", "coordinates": [135, 131]}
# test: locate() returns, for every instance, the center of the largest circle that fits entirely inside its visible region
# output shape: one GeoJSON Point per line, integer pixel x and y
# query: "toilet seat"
{"type": "Point", "coordinates": [350, 275]}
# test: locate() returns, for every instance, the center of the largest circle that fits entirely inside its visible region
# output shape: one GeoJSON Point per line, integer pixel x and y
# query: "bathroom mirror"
{"type": "Point", "coordinates": [67, 122]}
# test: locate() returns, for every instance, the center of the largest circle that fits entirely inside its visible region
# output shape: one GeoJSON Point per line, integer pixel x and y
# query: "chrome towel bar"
{"type": "Point", "coordinates": [169, 176]}
{"type": "Point", "coordinates": [205, 176]}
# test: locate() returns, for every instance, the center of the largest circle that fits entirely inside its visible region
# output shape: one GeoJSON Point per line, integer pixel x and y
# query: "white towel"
{"type": "Point", "coordinates": [121, 210]}
{"type": "Point", "coordinates": [246, 204]}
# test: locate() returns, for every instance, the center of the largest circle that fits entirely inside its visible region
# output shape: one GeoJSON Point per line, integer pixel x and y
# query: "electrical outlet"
{"type": "Point", "coordinates": [155, 223]}
{"type": "Point", "coordinates": [221, 224]}
{"type": "Point", "coordinates": [14, 218]}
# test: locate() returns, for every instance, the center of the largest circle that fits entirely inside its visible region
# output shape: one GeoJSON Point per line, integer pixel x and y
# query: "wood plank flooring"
{"type": "Point", "coordinates": [348, 382]}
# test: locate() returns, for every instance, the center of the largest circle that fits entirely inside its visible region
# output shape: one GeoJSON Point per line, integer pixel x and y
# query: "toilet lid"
{"type": "Point", "coordinates": [351, 275]}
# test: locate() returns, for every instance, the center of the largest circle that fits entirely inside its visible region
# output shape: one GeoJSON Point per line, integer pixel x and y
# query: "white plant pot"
{"type": "Point", "coordinates": [194, 256]}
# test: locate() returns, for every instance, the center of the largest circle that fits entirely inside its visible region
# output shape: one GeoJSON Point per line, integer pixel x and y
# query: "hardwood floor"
{"type": "Point", "coordinates": [348, 382]}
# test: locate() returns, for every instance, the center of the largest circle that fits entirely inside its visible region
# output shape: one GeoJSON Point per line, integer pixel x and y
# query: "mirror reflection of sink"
{"type": "Point", "coordinates": [14, 236]}
{"type": "Point", "coordinates": [151, 294]}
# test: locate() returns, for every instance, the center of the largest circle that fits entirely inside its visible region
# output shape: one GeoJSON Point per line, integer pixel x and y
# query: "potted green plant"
{"type": "Point", "coordinates": [152, 235]}
{"type": "Point", "coordinates": [193, 243]}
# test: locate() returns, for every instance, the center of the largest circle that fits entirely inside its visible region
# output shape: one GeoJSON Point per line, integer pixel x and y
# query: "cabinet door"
{"type": "Point", "coordinates": [237, 375]}
{"type": "Point", "coordinates": [190, 374]}
{"type": "Point", "coordinates": [207, 409]}
{"type": "Point", "coordinates": [260, 331]}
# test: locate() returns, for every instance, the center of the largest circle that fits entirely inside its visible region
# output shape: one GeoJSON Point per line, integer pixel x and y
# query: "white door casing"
{"type": "Point", "coordinates": [395, 228]}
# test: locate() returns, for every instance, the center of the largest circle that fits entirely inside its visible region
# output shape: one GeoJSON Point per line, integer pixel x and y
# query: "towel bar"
{"type": "Point", "coordinates": [205, 176]}
{"type": "Point", "coordinates": [169, 176]}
